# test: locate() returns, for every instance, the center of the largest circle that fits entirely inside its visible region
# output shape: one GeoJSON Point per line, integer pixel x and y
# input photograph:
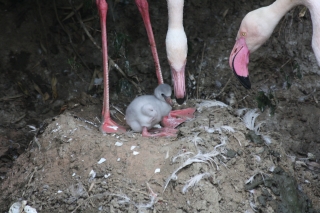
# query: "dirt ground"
{"type": "Point", "coordinates": [245, 151]}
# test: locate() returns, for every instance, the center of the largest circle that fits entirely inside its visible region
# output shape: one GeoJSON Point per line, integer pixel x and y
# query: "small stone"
{"type": "Point", "coordinates": [231, 153]}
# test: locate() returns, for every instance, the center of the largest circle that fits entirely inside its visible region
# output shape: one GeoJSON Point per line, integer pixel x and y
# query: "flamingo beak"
{"type": "Point", "coordinates": [179, 84]}
{"type": "Point", "coordinates": [239, 60]}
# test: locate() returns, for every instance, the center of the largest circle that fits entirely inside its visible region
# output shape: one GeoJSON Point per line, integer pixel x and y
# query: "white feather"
{"type": "Point", "coordinates": [250, 179]}
{"type": "Point", "coordinates": [257, 128]}
{"type": "Point", "coordinates": [266, 139]}
{"type": "Point", "coordinates": [249, 118]}
{"type": "Point", "coordinates": [209, 130]}
{"type": "Point", "coordinates": [195, 139]}
{"type": "Point", "coordinates": [181, 156]}
{"type": "Point", "coordinates": [239, 112]}
{"type": "Point", "coordinates": [227, 128]}
{"type": "Point", "coordinates": [207, 158]}
{"type": "Point", "coordinates": [193, 181]}
{"type": "Point", "coordinates": [207, 104]}
{"type": "Point", "coordinates": [253, 206]}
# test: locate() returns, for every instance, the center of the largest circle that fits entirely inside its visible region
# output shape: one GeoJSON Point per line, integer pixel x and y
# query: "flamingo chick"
{"type": "Point", "coordinates": [146, 111]}
{"type": "Point", "coordinates": [257, 27]}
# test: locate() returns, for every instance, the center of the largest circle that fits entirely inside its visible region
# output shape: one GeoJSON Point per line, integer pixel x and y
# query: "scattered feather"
{"type": "Point", "coordinates": [133, 147]}
{"type": "Point", "coordinates": [272, 168]}
{"type": "Point", "coordinates": [135, 153]}
{"type": "Point", "coordinates": [193, 181]}
{"type": "Point", "coordinates": [257, 158]}
{"type": "Point", "coordinates": [239, 112]}
{"type": "Point", "coordinates": [167, 154]}
{"type": "Point", "coordinates": [124, 199]}
{"type": "Point", "coordinates": [209, 130]}
{"type": "Point", "coordinates": [227, 128]}
{"type": "Point", "coordinates": [207, 104]}
{"type": "Point", "coordinates": [266, 139]}
{"type": "Point", "coordinates": [253, 206]}
{"type": "Point", "coordinates": [92, 175]}
{"type": "Point", "coordinates": [237, 140]}
{"type": "Point", "coordinates": [33, 128]}
{"type": "Point", "coordinates": [195, 139]}
{"type": "Point", "coordinates": [249, 118]}
{"type": "Point", "coordinates": [157, 170]}
{"type": "Point", "coordinates": [252, 191]}
{"type": "Point", "coordinates": [118, 143]}
{"type": "Point", "coordinates": [142, 206]}
{"type": "Point", "coordinates": [257, 128]}
{"type": "Point", "coordinates": [292, 158]}
{"type": "Point", "coordinates": [250, 179]}
{"type": "Point", "coordinates": [207, 158]}
{"type": "Point", "coordinates": [184, 154]}
{"type": "Point", "coordinates": [101, 160]}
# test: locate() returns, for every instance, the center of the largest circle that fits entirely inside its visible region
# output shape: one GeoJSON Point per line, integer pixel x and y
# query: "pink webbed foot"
{"type": "Point", "coordinates": [163, 132]}
{"type": "Point", "coordinates": [110, 126]}
{"type": "Point", "coordinates": [183, 113]}
{"type": "Point", "coordinates": [177, 117]}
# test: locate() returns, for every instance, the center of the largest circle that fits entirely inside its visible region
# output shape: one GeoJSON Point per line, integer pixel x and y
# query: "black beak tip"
{"type": "Point", "coordinates": [180, 100]}
{"type": "Point", "coordinates": [245, 81]}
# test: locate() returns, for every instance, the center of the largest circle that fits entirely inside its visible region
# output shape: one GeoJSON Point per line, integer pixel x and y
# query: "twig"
{"type": "Point", "coordinates": [72, 13]}
{"type": "Point", "coordinates": [285, 63]}
{"type": "Point", "coordinates": [83, 25]}
{"type": "Point", "coordinates": [44, 29]}
{"type": "Point", "coordinates": [222, 90]}
{"type": "Point", "coordinates": [111, 62]}
{"type": "Point", "coordinates": [70, 39]}
{"type": "Point", "coordinates": [31, 176]}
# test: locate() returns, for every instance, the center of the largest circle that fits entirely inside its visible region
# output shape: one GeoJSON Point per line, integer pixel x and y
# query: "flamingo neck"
{"type": "Point", "coordinates": [314, 8]}
{"type": "Point", "coordinates": [175, 13]}
{"type": "Point", "coordinates": [280, 7]}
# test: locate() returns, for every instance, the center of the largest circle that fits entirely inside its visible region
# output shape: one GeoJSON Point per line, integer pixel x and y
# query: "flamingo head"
{"type": "Point", "coordinates": [255, 29]}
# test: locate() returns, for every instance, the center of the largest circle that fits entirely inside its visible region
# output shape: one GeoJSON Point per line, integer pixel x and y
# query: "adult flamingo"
{"type": "Point", "coordinates": [258, 25]}
{"type": "Point", "coordinates": [108, 125]}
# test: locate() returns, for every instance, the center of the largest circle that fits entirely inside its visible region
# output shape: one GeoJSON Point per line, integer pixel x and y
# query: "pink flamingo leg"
{"type": "Point", "coordinates": [163, 132]}
{"type": "Point", "coordinates": [108, 125]}
{"type": "Point", "coordinates": [143, 7]}
{"type": "Point", "coordinates": [176, 117]}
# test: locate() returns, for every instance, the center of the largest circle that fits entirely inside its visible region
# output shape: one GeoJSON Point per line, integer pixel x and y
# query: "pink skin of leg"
{"type": "Point", "coordinates": [143, 7]}
{"type": "Point", "coordinates": [108, 125]}
{"type": "Point", "coordinates": [163, 132]}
